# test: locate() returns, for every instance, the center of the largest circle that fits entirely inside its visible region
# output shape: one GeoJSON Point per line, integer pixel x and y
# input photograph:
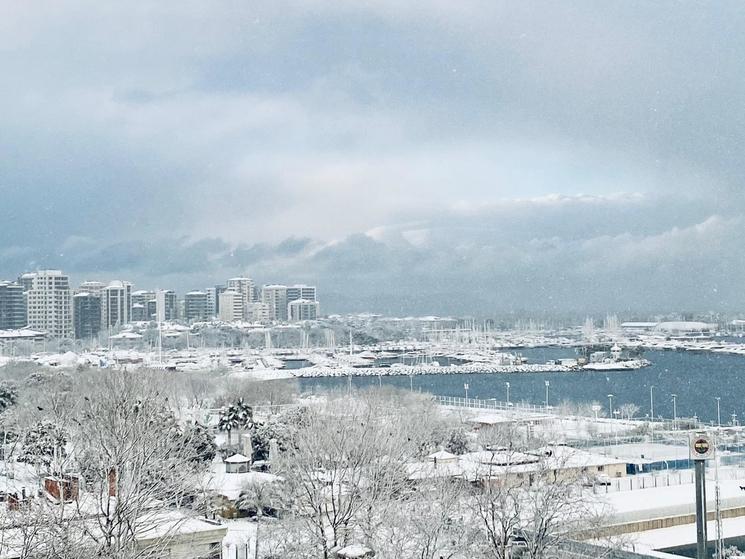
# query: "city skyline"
{"type": "Point", "coordinates": [46, 302]}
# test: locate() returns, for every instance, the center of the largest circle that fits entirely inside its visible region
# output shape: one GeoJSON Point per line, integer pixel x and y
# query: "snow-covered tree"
{"type": "Point", "coordinates": [628, 411]}
{"type": "Point", "coordinates": [201, 442]}
{"type": "Point", "coordinates": [343, 469]}
{"type": "Point", "coordinates": [457, 442]}
{"type": "Point", "coordinates": [42, 443]}
{"type": "Point", "coordinates": [8, 395]}
{"type": "Point", "coordinates": [281, 428]}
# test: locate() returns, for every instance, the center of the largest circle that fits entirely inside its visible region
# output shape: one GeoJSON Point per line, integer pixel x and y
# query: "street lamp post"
{"type": "Point", "coordinates": [610, 406]}
{"type": "Point", "coordinates": [651, 402]}
{"type": "Point", "coordinates": [507, 384]}
{"type": "Point", "coordinates": [465, 387]}
{"type": "Point", "coordinates": [719, 416]}
{"type": "Point", "coordinates": [675, 410]}
{"type": "Point", "coordinates": [596, 408]}
{"type": "Point", "coordinates": [547, 384]}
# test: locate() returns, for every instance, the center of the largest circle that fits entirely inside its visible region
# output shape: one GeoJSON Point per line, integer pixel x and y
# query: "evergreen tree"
{"type": "Point", "coordinates": [8, 395]}
{"type": "Point", "coordinates": [42, 442]}
{"type": "Point", "coordinates": [202, 442]}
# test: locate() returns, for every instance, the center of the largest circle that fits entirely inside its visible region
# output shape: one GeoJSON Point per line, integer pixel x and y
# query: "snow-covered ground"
{"type": "Point", "coordinates": [661, 502]}
{"type": "Point", "coordinates": [685, 534]}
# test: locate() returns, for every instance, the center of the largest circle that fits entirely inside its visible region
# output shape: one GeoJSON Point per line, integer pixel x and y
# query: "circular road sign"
{"type": "Point", "coordinates": [702, 447]}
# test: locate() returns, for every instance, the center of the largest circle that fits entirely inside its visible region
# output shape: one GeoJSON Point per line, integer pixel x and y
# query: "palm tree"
{"type": "Point", "coordinates": [236, 416]}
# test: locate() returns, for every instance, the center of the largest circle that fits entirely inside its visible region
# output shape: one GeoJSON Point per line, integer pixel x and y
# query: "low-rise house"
{"type": "Point", "coordinates": [504, 465]}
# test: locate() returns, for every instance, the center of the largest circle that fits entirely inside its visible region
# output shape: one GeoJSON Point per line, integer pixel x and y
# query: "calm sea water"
{"type": "Point", "coordinates": [696, 378]}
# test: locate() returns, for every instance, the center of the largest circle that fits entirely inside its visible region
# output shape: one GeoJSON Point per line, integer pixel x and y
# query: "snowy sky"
{"type": "Point", "coordinates": [475, 156]}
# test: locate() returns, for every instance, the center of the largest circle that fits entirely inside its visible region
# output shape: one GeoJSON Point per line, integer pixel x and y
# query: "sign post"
{"type": "Point", "coordinates": [701, 449]}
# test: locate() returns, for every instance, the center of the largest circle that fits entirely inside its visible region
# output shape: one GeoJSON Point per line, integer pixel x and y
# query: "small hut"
{"type": "Point", "coordinates": [237, 464]}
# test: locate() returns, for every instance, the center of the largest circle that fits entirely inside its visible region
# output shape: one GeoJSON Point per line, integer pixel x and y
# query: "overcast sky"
{"type": "Point", "coordinates": [442, 157]}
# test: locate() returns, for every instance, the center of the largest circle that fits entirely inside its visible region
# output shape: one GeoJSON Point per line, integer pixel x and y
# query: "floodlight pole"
{"type": "Point", "coordinates": [701, 538]}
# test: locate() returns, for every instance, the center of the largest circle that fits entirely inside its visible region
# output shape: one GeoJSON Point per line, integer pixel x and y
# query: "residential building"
{"type": "Point", "coordinates": [166, 305]}
{"type": "Point", "coordinates": [143, 306]}
{"type": "Point", "coordinates": [257, 312]}
{"type": "Point", "coordinates": [307, 292]}
{"type": "Point", "coordinates": [196, 306]}
{"type": "Point", "coordinates": [92, 287]}
{"type": "Point", "coordinates": [275, 297]}
{"type": "Point", "coordinates": [246, 287]}
{"type": "Point", "coordinates": [116, 304]}
{"type": "Point", "coordinates": [303, 309]}
{"type": "Point", "coordinates": [49, 305]}
{"type": "Point", "coordinates": [86, 315]}
{"type": "Point", "coordinates": [26, 280]}
{"type": "Point", "coordinates": [213, 299]}
{"type": "Point", "coordinates": [12, 306]}
{"type": "Point", "coordinates": [231, 306]}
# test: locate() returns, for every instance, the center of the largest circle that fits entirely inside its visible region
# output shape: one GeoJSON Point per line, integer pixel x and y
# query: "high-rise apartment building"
{"type": "Point", "coordinates": [213, 299]}
{"type": "Point", "coordinates": [86, 315]}
{"type": "Point", "coordinates": [231, 306]}
{"type": "Point", "coordinates": [307, 292]}
{"type": "Point", "coordinates": [116, 304]}
{"type": "Point", "coordinates": [302, 309]}
{"type": "Point", "coordinates": [91, 287]}
{"type": "Point", "coordinates": [275, 297]}
{"type": "Point", "coordinates": [196, 306]}
{"type": "Point", "coordinates": [12, 306]}
{"type": "Point", "coordinates": [26, 280]}
{"type": "Point", "coordinates": [143, 306]}
{"type": "Point", "coordinates": [166, 305]}
{"type": "Point", "coordinates": [246, 287]}
{"type": "Point", "coordinates": [49, 305]}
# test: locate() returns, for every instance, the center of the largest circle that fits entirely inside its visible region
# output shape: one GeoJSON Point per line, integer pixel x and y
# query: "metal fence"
{"type": "Point", "coordinates": [478, 404]}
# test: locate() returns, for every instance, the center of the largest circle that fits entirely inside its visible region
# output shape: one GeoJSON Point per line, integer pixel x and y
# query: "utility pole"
{"type": "Point", "coordinates": [547, 385]}
{"type": "Point", "coordinates": [675, 411]}
{"type": "Point", "coordinates": [507, 384]}
{"type": "Point", "coordinates": [719, 415]}
{"type": "Point", "coordinates": [701, 537]}
{"type": "Point", "coordinates": [651, 402]}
